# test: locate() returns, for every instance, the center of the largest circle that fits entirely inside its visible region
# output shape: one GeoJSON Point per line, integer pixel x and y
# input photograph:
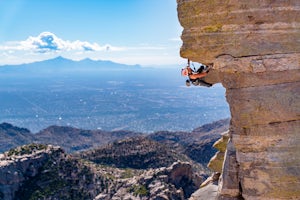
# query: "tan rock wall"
{"type": "Point", "coordinates": [238, 28]}
{"type": "Point", "coordinates": [255, 50]}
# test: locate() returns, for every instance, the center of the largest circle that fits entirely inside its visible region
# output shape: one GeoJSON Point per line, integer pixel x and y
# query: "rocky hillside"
{"type": "Point", "coordinates": [254, 48]}
{"type": "Point", "coordinates": [176, 182]}
{"type": "Point", "coordinates": [40, 171]}
{"type": "Point", "coordinates": [136, 153]}
{"type": "Point", "coordinates": [11, 136]}
{"type": "Point", "coordinates": [74, 139]}
{"type": "Point", "coordinates": [195, 143]}
{"type": "Point", "coordinates": [46, 172]}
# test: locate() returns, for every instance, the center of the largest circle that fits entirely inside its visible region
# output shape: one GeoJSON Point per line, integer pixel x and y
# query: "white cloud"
{"type": "Point", "coordinates": [47, 42]}
{"type": "Point", "coordinates": [47, 45]}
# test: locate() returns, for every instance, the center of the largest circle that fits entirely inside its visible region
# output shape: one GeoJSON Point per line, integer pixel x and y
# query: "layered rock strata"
{"type": "Point", "coordinates": [254, 47]}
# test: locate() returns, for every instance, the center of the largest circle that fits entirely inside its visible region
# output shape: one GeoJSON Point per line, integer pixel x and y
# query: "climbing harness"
{"type": "Point", "coordinates": [187, 71]}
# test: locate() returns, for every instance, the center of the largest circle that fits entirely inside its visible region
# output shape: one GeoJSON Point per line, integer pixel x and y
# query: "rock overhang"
{"type": "Point", "coordinates": [254, 47]}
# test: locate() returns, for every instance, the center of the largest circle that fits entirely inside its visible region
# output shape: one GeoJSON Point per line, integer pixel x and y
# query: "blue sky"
{"type": "Point", "coordinates": [143, 32]}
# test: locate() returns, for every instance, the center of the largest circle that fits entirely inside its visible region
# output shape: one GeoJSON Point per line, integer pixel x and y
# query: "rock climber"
{"type": "Point", "coordinates": [196, 76]}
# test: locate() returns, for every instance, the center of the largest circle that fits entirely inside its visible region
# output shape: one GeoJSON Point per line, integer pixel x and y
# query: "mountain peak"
{"type": "Point", "coordinates": [87, 59]}
{"type": "Point", "coordinates": [59, 58]}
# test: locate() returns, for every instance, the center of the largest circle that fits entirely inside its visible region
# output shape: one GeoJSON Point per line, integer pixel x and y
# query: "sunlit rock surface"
{"type": "Point", "coordinates": [216, 162]}
{"type": "Point", "coordinates": [17, 165]}
{"type": "Point", "coordinates": [254, 47]}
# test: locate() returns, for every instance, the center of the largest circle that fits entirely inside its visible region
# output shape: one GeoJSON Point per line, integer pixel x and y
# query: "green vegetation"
{"type": "Point", "coordinates": [37, 195]}
{"type": "Point", "coordinates": [128, 173]}
{"type": "Point", "coordinates": [36, 189]}
{"type": "Point", "coordinates": [139, 190]}
{"type": "Point", "coordinates": [26, 149]}
{"type": "Point", "coordinates": [110, 176]}
{"type": "Point", "coordinates": [213, 28]}
{"type": "Point", "coordinates": [59, 178]}
{"type": "Point", "coordinates": [12, 152]}
{"type": "Point", "coordinates": [132, 154]}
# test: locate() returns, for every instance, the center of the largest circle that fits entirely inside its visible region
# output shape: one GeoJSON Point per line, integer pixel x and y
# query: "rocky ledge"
{"type": "Point", "coordinates": [254, 47]}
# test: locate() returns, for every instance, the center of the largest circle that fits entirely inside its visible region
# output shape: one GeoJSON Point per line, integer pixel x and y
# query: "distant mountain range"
{"type": "Point", "coordinates": [61, 64]}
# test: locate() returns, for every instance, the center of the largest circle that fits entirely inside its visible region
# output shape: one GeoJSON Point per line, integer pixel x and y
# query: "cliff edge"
{"type": "Point", "coordinates": [254, 47]}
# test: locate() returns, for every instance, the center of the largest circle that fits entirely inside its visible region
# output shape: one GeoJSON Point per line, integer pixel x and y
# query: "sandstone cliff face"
{"type": "Point", "coordinates": [254, 47]}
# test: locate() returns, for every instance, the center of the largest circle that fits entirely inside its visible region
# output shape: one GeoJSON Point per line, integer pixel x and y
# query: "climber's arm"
{"type": "Point", "coordinates": [195, 76]}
